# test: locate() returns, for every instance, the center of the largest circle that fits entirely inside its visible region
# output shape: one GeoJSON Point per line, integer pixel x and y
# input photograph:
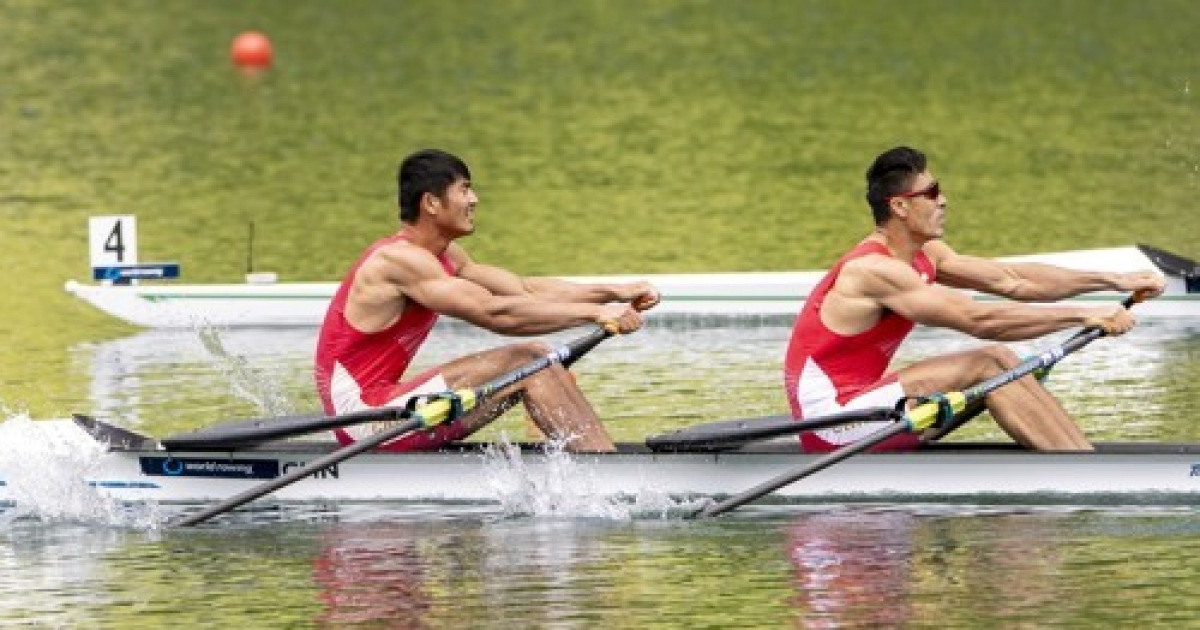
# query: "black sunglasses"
{"type": "Point", "coordinates": [931, 192]}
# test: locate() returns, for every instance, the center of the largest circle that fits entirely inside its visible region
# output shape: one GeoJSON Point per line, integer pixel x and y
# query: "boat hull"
{"type": "Point", "coordinates": [1140, 473]}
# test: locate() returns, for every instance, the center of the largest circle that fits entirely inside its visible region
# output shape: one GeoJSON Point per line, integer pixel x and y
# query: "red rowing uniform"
{"type": "Point", "coordinates": [825, 372]}
{"type": "Point", "coordinates": [357, 371]}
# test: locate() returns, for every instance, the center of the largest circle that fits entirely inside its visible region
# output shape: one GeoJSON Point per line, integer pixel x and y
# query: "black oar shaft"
{"type": "Point", "coordinates": [579, 347]}
{"type": "Point", "coordinates": [771, 485]}
{"type": "Point", "coordinates": [1043, 361]}
{"type": "Point", "coordinates": [729, 434]}
{"type": "Point", "coordinates": [1078, 340]}
{"type": "Point", "coordinates": [299, 473]}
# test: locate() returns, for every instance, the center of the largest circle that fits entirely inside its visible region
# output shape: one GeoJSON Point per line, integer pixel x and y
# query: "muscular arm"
{"type": "Point", "coordinates": [403, 272]}
{"type": "Point", "coordinates": [504, 282]}
{"type": "Point", "coordinates": [504, 314]}
{"type": "Point", "coordinates": [1030, 282]}
{"type": "Point", "coordinates": [873, 283]}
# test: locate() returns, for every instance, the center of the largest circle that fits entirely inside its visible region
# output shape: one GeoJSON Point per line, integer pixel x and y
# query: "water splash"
{"type": "Point", "coordinates": [555, 484]}
{"type": "Point", "coordinates": [247, 383]}
{"type": "Point", "coordinates": [45, 467]}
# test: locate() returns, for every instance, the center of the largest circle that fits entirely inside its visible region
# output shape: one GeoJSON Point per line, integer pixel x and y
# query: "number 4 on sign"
{"type": "Point", "coordinates": [113, 240]}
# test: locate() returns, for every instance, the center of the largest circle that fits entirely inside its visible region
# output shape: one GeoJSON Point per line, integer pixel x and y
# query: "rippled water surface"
{"type": "Point", "coordinates": [436, 566]}
{"type": "Point", "coordinates": [624, 136]}
{"type": "Point", "coordinates": [669, 375]}
{"type": "Point", "coordinates": [76, 562]}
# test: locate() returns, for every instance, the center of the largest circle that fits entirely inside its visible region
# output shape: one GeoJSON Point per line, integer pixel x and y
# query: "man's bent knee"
{"type": "Point", "coordinates": [1001, 357]}
{"type": "Point", "coordinates": [526, 351]}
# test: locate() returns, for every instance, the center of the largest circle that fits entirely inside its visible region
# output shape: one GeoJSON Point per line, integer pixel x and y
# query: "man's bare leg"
{"type": "Point", "coordinates": [1023, 408]}
{"type": "Point", "coordinates": [554, 401]}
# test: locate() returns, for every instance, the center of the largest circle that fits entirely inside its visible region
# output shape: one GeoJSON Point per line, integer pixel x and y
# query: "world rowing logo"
{"type": "Point", "coordinates": [204, 467]}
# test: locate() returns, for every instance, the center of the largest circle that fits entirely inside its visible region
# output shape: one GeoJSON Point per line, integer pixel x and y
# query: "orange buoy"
{"type": "Point", "coordinates": [251, 50]}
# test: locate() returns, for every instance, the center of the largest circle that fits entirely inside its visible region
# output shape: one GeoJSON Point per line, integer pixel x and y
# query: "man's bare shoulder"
{"type": "Point", "coordinates": [938, 251]}
{"type": "Point", "coordinates": [400, 262]}
{"type": "Point", "coordinates": [873, 265]}
{"type": "Point", "coordinates": [458, 255]}
{"type": "Point", "coordinates": [875, 274]}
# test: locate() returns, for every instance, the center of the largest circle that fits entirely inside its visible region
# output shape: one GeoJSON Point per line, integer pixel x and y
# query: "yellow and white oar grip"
{"type": "Point", "coordinates": [439, 410]}
{"type": "Point", "coordinates": [925, 415]}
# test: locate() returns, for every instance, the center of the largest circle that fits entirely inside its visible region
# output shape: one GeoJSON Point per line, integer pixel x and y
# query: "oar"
{"type": "Point", "coordinates": [729, 434]}
{"type": "Point", "coordinates": [441, 407]}
{"type": "Point", "coordinates": [1042, 374]}
{"type": "Point", "coordinates": [240, 433]}
{"type": "Point", "coordinates": [916, 419]}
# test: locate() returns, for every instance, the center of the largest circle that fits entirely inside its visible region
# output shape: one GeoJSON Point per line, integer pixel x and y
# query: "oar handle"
{"type": "Point", "coordinates": [579, 347]}
{"type": "Point", "coordinates": [1039, 364]}
{"type": "Point", "coordinates": [1137, 297]}
{"type": "Point", "coordinates": [565, 354]}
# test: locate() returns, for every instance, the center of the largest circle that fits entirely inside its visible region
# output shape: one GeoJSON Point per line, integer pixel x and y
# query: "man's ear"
{"type": "Point", "coordinates": [899, 208]}
{"type": "Point", "coordinates": [431, 202]}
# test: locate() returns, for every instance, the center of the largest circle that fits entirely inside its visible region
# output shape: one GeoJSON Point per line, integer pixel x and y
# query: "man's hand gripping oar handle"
{"type": "Point", "coordinates": [583, 345]}
{"type": "Point", "coordinates": [1078, 340]}
{"type": "Point", "coordinates": [938, 407]}
{"type": "Point", "coordinates": [436, 409]}
{"type": "Point", "coordinates": [1094, 331]}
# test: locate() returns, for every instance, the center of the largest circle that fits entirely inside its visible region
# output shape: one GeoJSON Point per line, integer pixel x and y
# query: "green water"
{"type": "Point", "coordinates": [832, 567]}
{"type": "Point", "coordinates": [604, 137]}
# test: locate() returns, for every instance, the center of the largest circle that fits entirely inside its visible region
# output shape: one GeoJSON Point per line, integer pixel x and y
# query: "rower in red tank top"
{"type": "Point", "coordinates": [357, 371]}
{"type": "Point", "coordinates": [825, 372]}
{"type": "Point", "coordinates": [389, 301]}
{"type": "Point", "coordinates": [905, 272]}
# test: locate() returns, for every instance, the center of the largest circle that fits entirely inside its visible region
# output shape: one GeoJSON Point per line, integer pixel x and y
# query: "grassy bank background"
{"type": "Point", "coordinates": [604, 136]}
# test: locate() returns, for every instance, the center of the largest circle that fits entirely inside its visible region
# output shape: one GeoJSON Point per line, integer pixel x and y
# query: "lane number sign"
{"type": "Point", "coordinates": [113, 245]}
{"type": "Point", "coordinates": [113, 240]}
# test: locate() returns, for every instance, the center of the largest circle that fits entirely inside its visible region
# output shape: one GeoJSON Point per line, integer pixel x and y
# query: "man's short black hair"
{"type": "Point", "coordinates": [891, 174]}
{"type": "Point", "coordinates": [426, 171]}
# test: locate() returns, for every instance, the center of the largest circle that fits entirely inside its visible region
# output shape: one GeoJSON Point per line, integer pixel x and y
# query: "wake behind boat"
{"type": "Point", "coordinates": [751, 294]}
{"type": "Point", "coordinates": [139, 468]}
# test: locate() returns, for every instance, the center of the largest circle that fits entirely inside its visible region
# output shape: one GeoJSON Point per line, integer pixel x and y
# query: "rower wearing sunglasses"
{"type": "Point", "coordinates": [903, 274]}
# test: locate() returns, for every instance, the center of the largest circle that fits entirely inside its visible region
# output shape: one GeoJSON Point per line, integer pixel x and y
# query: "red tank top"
{"type": "Point", "coordinates": [853, 363]}
{"type": "Point", "coordinates": [377, 360]}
